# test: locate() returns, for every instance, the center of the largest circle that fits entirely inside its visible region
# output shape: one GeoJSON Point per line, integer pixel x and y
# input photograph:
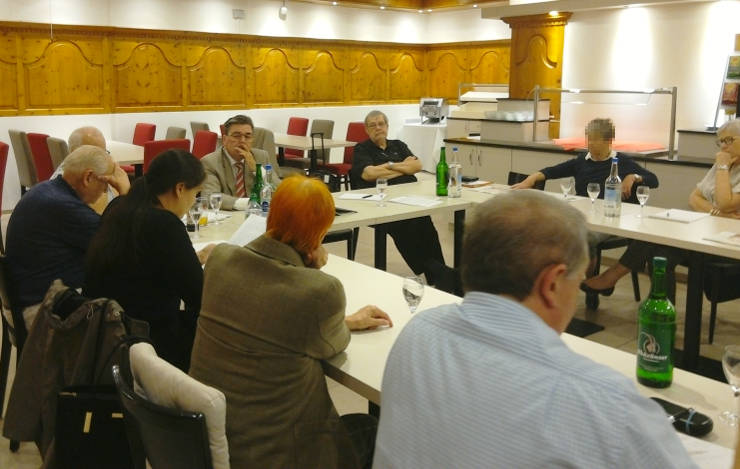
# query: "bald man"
{"type": "Point", "coordinates": [51, 227]}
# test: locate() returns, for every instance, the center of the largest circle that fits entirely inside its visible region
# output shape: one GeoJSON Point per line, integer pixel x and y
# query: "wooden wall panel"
{"type": "Point", "coordinates": [86, 69]}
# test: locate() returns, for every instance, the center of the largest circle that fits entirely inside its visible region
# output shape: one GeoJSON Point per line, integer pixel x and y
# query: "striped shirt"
{"type": "Point", "coordinates": [488, 384]}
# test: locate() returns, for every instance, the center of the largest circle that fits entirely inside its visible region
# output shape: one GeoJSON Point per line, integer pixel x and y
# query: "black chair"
{"type": "Point", "coordinates": [170, 438]}
{"type": "Point", "coordinates": [14, 334]}
{"type": "Point", "coordinates": [515, 178]}
{"type": "Point", "coordinates": [721, 283]}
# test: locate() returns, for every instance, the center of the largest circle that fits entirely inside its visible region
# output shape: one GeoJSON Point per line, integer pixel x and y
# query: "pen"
{"type": "Point", "coordinates": [366, 196]}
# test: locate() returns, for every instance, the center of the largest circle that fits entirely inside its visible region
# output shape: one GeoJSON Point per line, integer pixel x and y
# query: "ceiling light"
{"type": "Point", "coordinates": [475, 6]}
{"type": "Point", "coordinates": [283, 12]}
{"type": "Point", "coordinates": [429, 10]}
{"type": "Point", "coordinates": [553, 13]}
{"type": "Point", "coordinates": [421, 11]}
{"type": "Point", "coordinates": [382, 7]}
{"type": "Point", "coordinates": [334, 3]}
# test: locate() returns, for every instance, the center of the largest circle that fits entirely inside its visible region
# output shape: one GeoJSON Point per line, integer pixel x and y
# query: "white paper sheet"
{"type": "Point", "coordinates": [359, 196]}
{"type": "Point", "coordinates": [416, 201]}
{"type": "Point", "coordinates": [252, 228]}
{"type": "Point", "coordinates": [682, 216]}
{"type": "Point", "coordinates": [705, 454]}
{"type": "Point", "coordinates": [725, 237]}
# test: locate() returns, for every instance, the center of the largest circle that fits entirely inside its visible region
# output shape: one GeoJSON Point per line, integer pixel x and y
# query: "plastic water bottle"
{"type": "Point", "coordinates": [454, 186]}
{"type": "Point", "coordinates": [254, 207]}
{"type": "Point", "coordinates": [613, 192]}
{"type": "Point", "coordinates": [267, 189]}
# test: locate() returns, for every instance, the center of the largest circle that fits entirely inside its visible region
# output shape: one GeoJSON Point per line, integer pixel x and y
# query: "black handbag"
{"type": "Point", "coordinates": [90, 432]}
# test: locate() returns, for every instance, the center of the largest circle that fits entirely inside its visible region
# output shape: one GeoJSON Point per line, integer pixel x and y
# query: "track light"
{"type": "Point", "coordinates": [283, 12]}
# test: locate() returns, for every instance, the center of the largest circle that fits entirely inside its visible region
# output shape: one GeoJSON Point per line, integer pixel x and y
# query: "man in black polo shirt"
{"type": "Point", "coordinates": [416, 239]}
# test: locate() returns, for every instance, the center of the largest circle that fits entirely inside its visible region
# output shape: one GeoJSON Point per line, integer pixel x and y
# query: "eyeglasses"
{"type": "Point", "coordinates": [374, 125]}
{"type": "Point", "coordinates": [725, 141]}
{"type": "Point", "coordinates": [239, 136]}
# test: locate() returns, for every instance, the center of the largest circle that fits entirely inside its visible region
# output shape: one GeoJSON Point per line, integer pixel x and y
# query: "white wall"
{"type": "Point", "coordinates": [683, 45]}
{"type": "Point", "coordinates": [261, 18]}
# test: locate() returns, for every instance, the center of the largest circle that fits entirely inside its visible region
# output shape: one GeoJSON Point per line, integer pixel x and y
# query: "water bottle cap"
{"type": "Point", "coordinates": [615, 159]}
{"type": "Point", "coordinates": [454, 148]}
{"type": "Point", "coordinates": [268, 167]}
{"type": "Point", "coordinates": [659, 262]}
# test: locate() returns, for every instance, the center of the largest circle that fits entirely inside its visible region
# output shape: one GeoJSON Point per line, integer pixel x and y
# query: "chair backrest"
{"type": "Point", "coordinates": [23, 158]}
{"type": "Point", "coordinates": [175, 133]}
{"type": "Point", "coordinates": [58, 150]}
{"type": "Point", "coordinates": [16, 327]}
{"type": "Point", "coordinates": [264, 139]}
{"type": "Point", "coordinates": [191, 415]}
{"type": "Point", "coordinates": [195, 127]}
{"type": "Point", "coordinates": [155, 147]}
{"type": "Point", "coordinates": [515, 178]}
{"type": "Point", "coordinates": [204, 142]}
{"type": "Point", "coordinates": [296, 126]}
{"type": "Point", "coordinates": [326, 128]}
{"type": "Point", "coordinates": [41, 156]}
{"type": "Point", "coordinates": [144, 133]}
{"type": "Point", "coordinates": [355, 133]}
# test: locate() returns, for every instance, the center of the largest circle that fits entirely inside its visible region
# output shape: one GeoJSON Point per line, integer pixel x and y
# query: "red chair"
{"type": "Point", "coordinates": [41, 155]}
{"type": "Point", "coordinates": [355, 133]}
{"type": "Point", "coordinates": [155, 147]}
{"type": "Point", "coordinates": [204, 143]}
{"type": "Point", "coordinates": [296, 126]}
{"type": "Point", "coordinates": [144, 133]}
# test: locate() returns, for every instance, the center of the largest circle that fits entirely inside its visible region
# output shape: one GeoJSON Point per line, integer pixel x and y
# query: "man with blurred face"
{"type": "Point", "coordinates": [231, 168]}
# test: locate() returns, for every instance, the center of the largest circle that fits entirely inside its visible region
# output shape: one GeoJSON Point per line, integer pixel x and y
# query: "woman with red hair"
{"type": "Point", "coordinates": [268, 318]}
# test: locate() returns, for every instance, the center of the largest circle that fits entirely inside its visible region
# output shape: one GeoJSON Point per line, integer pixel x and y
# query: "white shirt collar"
{"type": "Point", "coordinates": [611, 155]}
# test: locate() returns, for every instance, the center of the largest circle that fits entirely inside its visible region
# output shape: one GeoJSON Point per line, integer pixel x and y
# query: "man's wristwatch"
{"type": "Point", "coordinates": [638, 178]}
{"type": "Point", "coordinates": [390, 165]}
{"type": "Point", "coordinates": [723, 167]}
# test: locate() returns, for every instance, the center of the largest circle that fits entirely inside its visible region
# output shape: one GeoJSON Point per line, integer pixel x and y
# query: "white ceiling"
{"type": "Point", "coordinates": [535, 7]}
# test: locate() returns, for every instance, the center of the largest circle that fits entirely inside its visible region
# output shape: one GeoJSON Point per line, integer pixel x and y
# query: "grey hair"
{"type": "Point", "coordinates": [239, 119]}
{"type": "Point", "coordinates": [85, 136]}
{"type": "Point", "coordinates": [732, 127]}
{"type": "Point", "coordinates": [87, 157]}
{"type": "Point", "coordinates": [602, 127]}
{"type": "Point", "coordinates": [376, 113]}
{"type": "Point", "coordinates": [511, 238]}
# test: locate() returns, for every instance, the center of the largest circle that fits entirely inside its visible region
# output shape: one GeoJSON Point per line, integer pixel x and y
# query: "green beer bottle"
{"type": "Point", "coordinates": [656, 333]}
{"type": "Point", "coordinates": [256, 192]}
{"type": "Point", "coordinates": [442, 173]}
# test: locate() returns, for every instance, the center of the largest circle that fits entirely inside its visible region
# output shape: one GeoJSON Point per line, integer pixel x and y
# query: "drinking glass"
{"type": "Point", "coordinates": [731, 367]}
{"type": "Point", "coordinates": [566, 185]}
{"type": "Point", "coordinates": [215, 203]}
{"type": "Point", "coordinates": [204, 204]}
{"type": "Point", "coordinates": [593, 190]}
{"type": "Point", "coordinates": [381, 184]}
{"type": "Point", "coordinates": [195, 212]}
{"type": "Point", "coordinates": [413, 290]}
{"type": "Point", "coordinates": [643, 192]}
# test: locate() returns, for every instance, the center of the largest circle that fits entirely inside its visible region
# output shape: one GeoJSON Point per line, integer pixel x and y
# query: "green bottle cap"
{"type": "Point", "coordinates": [659, 263]}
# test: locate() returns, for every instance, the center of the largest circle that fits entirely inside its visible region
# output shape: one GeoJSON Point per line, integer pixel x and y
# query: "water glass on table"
{"type": "Point", "coordinates": [593, 189]}
{"type": "Point", "coordinates": [731, 367]}
{"type": "Point", "coordinates": [381, 184]}
{"type": "Point", "coordinates": [195, 212]}
{"type": "Point", "coordinates": [215, 201]}
{"type": "Point", "coordinates": [566, 184]}
{"type": "Point", "coordinates": [413, 291]}
{"type": "Point", "coordinates": [643, 192]}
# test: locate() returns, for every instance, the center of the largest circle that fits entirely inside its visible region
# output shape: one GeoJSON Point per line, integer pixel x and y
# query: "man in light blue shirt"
{"type": "Point", "coordinates": [489, 382]}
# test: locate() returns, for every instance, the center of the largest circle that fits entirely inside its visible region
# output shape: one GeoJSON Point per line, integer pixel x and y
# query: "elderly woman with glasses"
{"type": "Point", "coordinates": [269, 316]}
{"type": "Point", "coordinates": [718, 193]}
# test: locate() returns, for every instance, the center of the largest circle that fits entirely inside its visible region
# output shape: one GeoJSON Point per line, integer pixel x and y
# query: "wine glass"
{"type": "Point", "coordinates": [566, 185]}
{"type": "Point", "coordinates": [381, 184]}
{"type": "Point", "coordinates": [593, 190]}
{"type": "Point", "coordinates": [215, 202]}
{"type": "Point", "coordinates": [413, 290]}
{"type": "Point", "coordinates": [731, 367]}
{"type": "Point", "coordinates": [643, 192]}
{"type": "Point", "coordinates": [195, 212]}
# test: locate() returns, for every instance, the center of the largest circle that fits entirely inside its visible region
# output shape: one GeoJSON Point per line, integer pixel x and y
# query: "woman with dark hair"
{"type": "Point", "coordinates": [142, 256]}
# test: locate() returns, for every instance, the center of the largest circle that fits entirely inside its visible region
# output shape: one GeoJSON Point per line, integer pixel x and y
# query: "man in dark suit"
{"type": "Point", "coordinates": [231, 168]}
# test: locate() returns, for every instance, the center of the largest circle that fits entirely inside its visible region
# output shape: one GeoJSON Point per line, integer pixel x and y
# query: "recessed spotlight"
{"type": "Point", "coordinates": [475, 6]}
{"type": "Point", "coordinates": [421, 11]}
{"type": "Point", "coordinates": [429, 10]}
{"type": "Point", "coordinates": [334, 3]}
{"type": "Point", "coordinates": [554, 13]}
{"type": "Point", "coordinates": [382, 7]}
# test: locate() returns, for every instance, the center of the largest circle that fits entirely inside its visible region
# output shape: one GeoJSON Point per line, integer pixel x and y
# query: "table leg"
{"type": "Point", "coordinates": [281, 156]}
{"type": "Point", "coordinates": [380, 249]}
{"type": "Point", "coordinates": [312, 155]}
{"type": "Point", "coordinates": [459, 225]}
{"type": "Point", "coordinates": [373, 409]}
{"type": "Point", "coordinates": [138, 170]}
{"type": "Point", "coordinates": [694, 299]}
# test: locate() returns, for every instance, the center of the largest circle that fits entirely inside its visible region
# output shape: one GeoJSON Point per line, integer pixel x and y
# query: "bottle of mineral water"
{"type": "Point", "coordinates": [656, 332]}
{"type": "Point", "coordinates": [267, 190]}
{"type": "Point", "coordinates": [613, 192]}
